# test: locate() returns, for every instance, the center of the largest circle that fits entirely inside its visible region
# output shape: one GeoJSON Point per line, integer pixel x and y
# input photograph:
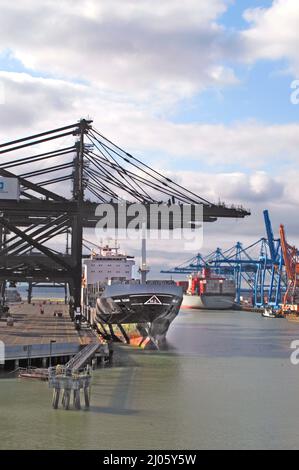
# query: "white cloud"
{"type": "Point", "coordinates": [133, 61]}
{"type": "Point", "coordinates": [130, 47]}
{"type": "Point", "coordinates": [237, 187]}
{"type": "Point", "coordinates": [249, 144]}
{"type": "Point", "coordinates": [273, 32]}
{"type": "Point", "coordinates": [39, 104]}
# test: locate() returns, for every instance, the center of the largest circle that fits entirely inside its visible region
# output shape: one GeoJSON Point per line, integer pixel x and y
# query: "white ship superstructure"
{"type": "Point", "coordinates": [108, 265]}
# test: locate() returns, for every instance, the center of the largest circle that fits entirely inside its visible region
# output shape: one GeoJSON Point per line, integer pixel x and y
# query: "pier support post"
{"type": "Point", "coordinates": [17, 364]}
{"type": "Point", "coordinates": [29, 297]}
{"type": "Point", "coordinates": [77, 402]}
{"type": "Point", "coordinates": [94, 363]}
{"type": "Point", "coordinates": [44, 362]}
{"type": "Point", "coordinates": [66, 399]}
{"type": "Point", "coordinates": [87, 397]}
{"type": "Point", "coordinates": [56, 396]}
{"type": "Point", "coordinates": [65, 294]}
{"type": "Point", "coordinates": [102, 361]}
{"type": "Point", "coordinates": [2, 292]}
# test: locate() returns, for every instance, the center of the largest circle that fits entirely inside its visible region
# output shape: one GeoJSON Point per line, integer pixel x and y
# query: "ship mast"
{"type": "Point", "coordinates": [144, 269]}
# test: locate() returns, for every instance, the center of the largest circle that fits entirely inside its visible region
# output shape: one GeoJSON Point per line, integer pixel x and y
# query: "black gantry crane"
{"type": "Point", "coordinates": [63, 175]}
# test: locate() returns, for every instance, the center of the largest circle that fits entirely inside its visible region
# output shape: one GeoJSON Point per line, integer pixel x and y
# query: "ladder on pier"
{"type": "Point", "coordinates": [77, 362]}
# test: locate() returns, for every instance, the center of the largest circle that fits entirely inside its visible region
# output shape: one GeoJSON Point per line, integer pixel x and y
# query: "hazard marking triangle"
{"type": "Point", "coordinates": [153, 300]}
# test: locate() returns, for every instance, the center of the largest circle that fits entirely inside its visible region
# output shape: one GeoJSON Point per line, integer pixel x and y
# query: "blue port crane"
{"type": "Point", "coordinates": [192, 265]}
{"type": "Point", "coordinates": [273, 267]}
{"type": "Point", "coordinates": [243, 264]}
{"type": "Point", "coordinates": [235, 262]}
{"type": "Point", "coordinates": [257, 269]}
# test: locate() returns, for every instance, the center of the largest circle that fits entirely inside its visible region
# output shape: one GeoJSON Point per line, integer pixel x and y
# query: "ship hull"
{"type": "Point", "coordinates": [151, 308]}
{"type": "Point", "coordinates": [208, 302]}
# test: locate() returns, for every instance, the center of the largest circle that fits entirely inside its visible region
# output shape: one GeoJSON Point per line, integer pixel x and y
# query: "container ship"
{"type": "Point", "coordinates": [208, 291]}
{"type": "Point", "coordinates": [137, 312]}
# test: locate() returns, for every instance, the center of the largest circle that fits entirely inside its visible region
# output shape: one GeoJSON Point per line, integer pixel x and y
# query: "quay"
{"type": "Point", "coordinates": [43, 339]}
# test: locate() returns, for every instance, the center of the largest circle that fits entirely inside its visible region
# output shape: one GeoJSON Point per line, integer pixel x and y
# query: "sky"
{"type": "Point", "coordinates": [200, 90]}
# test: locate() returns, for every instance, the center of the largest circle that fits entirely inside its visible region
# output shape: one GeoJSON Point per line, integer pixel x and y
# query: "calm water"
{"type": "Point", "coordinates": [41, 293]}
{"type": "Point", "coordinates": [225, 382]}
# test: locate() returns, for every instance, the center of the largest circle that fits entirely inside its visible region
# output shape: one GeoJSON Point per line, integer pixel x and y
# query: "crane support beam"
{"type": "Point", "coordinates": [31, 241]}
{"type": "Point", "coordinates": [23, 211]}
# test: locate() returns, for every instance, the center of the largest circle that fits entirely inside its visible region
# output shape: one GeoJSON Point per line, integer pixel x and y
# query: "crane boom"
{"type": "Point", "coordinates": [285, 252]}
{"type": "Point", "coordinates": [270, 236]}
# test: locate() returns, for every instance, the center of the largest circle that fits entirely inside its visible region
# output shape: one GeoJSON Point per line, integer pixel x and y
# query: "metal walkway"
{"type": "Point", "coordinates": [79, 361]}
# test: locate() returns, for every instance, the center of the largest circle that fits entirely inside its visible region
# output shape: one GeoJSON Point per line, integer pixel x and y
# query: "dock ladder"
{"type": "Point", "coordinates": [82, 357]}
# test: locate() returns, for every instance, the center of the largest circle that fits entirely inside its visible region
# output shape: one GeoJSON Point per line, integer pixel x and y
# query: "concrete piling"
{"type": "Point", "coordinates": [94, 363]}
{"type": "Point", "coordinates": [64, 381]}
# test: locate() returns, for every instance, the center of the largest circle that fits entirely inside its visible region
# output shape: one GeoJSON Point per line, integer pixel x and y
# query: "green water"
{"type": "Point", "coordinates": [225, 382]}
